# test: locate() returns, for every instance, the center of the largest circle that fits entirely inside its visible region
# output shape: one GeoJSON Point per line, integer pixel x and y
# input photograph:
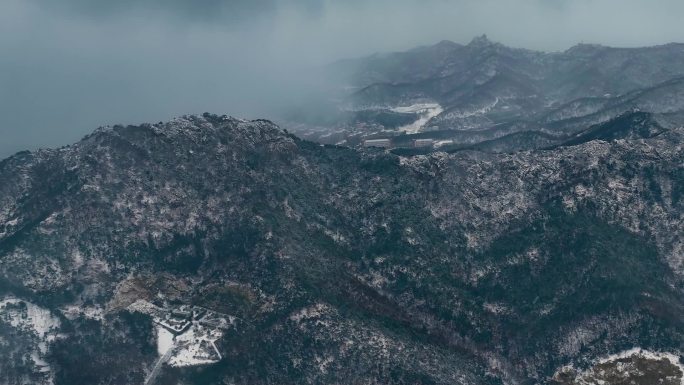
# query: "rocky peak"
{"type": "Point", "coordinates": [584, 49]}
{"type": "Point", "coordinates": [481, 41]}
{"type": "Point", "coordinates": [447, 45]}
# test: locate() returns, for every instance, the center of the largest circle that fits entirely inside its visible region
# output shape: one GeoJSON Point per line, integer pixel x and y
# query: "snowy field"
{"type": "Point", "coordinates": [164, 340]}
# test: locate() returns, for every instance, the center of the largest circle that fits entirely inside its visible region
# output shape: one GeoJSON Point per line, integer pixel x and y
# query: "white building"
{"type": "Point", "coordinates": [384, 143]}
{"type": "Point", "coordinates": [423, 143]}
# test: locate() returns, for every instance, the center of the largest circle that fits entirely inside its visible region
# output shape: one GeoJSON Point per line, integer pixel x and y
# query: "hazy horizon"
{"type": "Point", "coordinates": [68, 68]}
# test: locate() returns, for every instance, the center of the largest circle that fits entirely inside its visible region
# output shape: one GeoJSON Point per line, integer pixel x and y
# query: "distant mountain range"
{"type": "Point", "coordinates": [487, 90]}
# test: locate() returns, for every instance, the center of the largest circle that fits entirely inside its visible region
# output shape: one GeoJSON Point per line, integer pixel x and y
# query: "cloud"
{"type": "Point", "coordinates": [69, 66]}
{"type": "Point", "coordinates": [226, 12]}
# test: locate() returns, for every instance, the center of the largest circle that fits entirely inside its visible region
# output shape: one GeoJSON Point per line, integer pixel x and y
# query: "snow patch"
{"type": "Point", "coordinates": [75, 311]}
{"type": "Point", "coordinates": [426, 111]}
{"type": "Point", "coordinates": [34, 319]}
{"type": "Point", "coordinates": [646, 354]}
{"type": "Point", "coordinates": [39, 320]}
{"type": "Point", "coordinates": [632, 353]}
{"type": "Point", "coordinates": [463, 114]}
{"type": "Point", "coordinates": [315, 311]}
{"type": "Point", "coordinates": [164, 340]}
{"type": "Point", "coordinates": [196, 347]}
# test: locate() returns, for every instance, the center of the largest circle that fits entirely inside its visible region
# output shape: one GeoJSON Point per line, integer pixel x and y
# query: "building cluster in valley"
{"type": "Point", "coordinates": [186, 334]}
{"type": "Point", "coordinates": [387, 143]}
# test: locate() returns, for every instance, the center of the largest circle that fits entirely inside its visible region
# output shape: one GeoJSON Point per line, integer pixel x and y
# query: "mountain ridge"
{"type": "Point", "coordinates": [482, 87]}
{"type": "Point", "coordinates": [432, 269]}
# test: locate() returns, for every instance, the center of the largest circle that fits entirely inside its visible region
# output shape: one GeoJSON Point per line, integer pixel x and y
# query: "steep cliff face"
{"type": "Point", "coordinates": [341, 265]}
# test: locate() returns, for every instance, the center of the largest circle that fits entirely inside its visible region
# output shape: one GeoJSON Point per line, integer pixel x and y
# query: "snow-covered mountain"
{"type": "Point", "coordinates": [211, 250]}
{"type": "Point", "coordinates": [487, 90]}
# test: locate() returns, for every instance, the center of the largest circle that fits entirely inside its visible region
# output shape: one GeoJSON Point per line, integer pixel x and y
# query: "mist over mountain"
{"type": "Point", "coordinates": [72, 65]}
{"type": "Point", "coordinates": [393, 201]}
{"type": "Point", "coordinates": [452, 96]}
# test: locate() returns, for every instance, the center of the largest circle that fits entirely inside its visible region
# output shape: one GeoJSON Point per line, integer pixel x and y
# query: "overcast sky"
{"type": "Point", "coordinates": [69, 66]}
